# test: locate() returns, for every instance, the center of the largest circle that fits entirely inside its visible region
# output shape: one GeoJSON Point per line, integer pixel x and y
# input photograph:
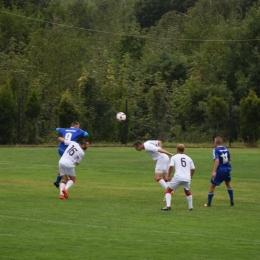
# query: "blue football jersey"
{"type": "Point", "coordinates": [70, 134]}
{"type": "Point", "coordinates": [222, 153]}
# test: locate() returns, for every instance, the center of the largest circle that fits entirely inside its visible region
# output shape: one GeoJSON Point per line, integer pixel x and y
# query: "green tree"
{"type": "Point", "coordinates": [250, 118]}
{"type": "Point", "coordinates": [56, 55]}
{"type": "Point", "coordinates": [32, 112]}
{"type": "Point", "coordinates": [218, 110]}
{"type": "Point", "coordinates": [160, 116]}
{"type": "Point", "coordinates": [67, 110]}
{"type": "Point", "coordinates": [13, 29]}
{"type": "Point", "coordinates": [8, 115]}
{"type": "Point", "coordinates": [149, 12]}
{"type": "Point", "coordinates": [131, 42]}
{"type": "Point", "coordinates": [97, 114]}
{"type": "Point", "coordinates": [248, 71]}
{"type": "Point", "coordinates": [23, 4]}
{"type": "Point", "coordinates": [81, 13]}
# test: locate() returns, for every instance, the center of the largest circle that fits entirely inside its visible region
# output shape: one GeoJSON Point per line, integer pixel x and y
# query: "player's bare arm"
{"type": "Point", "coordinates": [61, 139]}
{"type": "Point", "coordinates": [163, 151]}
{"type": "Point", "coordinates": [216, 163]}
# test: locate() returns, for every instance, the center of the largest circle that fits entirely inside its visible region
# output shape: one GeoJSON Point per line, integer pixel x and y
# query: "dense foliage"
{"type": "Point", "coordinates": [181, 70]}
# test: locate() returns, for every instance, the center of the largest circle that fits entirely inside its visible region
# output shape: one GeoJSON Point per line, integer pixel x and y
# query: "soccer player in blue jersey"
{"type": "Point", "coordinates": [69, 134]}
{"type": "Point", "coordinates": [221, 171]}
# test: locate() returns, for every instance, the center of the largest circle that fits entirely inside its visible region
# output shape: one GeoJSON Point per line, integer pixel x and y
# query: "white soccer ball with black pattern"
{"type": "Point", "coordinates": [121, 116]}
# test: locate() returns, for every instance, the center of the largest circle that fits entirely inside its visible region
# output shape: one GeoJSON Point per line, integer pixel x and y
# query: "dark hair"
{"type": "Point", "coordinates": [137, 143]}
{"type": "Point", "coordinates": [83, 141]}
{"type": "Point", "coordinates": [74, 123]}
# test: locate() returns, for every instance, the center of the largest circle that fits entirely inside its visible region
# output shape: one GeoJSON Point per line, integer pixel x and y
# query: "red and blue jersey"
{"type": "Point", "coordinates": [69, 134]}
{"type": "Point", "coordinates": [222, 153]}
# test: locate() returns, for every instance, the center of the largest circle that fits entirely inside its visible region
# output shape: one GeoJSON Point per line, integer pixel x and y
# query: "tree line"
{"type": "Point", "coordinates": [182, 70]}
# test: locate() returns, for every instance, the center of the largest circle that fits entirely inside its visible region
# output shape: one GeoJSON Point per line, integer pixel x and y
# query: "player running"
{"type": "Point", "coordinates": [70, 134]}
{"type": "Point", "coordinates": [71, 157]}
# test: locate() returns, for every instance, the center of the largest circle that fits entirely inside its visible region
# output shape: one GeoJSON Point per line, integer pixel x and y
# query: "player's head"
{"type": "Point", "coordinates": [84, 144]}
{"type": "Point", "coordinates": [180, 148]}
{"type": "Point", "coordinates": [138, 145]}
{"type": "Point", "coordinates": [218, 141]}
{"type": "Point", "coordinates": [75, 124]}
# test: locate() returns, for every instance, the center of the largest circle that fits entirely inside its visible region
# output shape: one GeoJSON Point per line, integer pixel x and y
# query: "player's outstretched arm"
{"type": "Point", "coordinates": [61, 139]}
{"type": "Point", "coordinates": [166, 152]}
{"type": "Point", "coordinates": [216, 163]}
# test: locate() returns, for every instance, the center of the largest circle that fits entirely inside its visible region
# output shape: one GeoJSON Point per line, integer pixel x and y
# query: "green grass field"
{"type": "Point", "coordinates": [113, 210]}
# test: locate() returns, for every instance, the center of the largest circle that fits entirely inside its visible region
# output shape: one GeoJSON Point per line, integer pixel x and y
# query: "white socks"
{"type": "Point", "coordinates": [189, 200]}
{"type": "Point", "coordinates": [69, 184]}
{"type": "Point", "coordinates": [168, 199]}
{"type": "Point", "coordinates": [163, 183]}
{"type": "Point", "coordinates": [62, 186]}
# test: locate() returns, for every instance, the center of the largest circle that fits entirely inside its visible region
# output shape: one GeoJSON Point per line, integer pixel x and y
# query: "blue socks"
{"type": "Point", "coordinates": [231, 195]}
{"type": "Point", "coordinates": [210, 196]}
{"type": "Point", "coordinates": [58, 179]}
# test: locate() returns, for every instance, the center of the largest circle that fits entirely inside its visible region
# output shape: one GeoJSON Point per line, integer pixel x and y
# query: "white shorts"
{"type": "Point", "coordinates": [65, 170]}
{"type": "Point", "coordinates": [162, 164]}
{"type": "Point", "coordinates": [176, 182]}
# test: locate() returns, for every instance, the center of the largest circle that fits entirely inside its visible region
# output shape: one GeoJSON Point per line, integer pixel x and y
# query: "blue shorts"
{"type": "Point", "coordinates": [220, 177]}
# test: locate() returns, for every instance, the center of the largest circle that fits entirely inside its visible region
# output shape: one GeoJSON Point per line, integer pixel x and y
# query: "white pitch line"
{"type": "Point", "coordinates": [222, 238]}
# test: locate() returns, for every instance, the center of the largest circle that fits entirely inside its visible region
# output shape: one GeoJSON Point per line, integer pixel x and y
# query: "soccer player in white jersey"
{"type": "Point", "coordinates": [154, 148]}
{"type": "Point", "coordinates": [71, 157]}
{"type": "Point", "coordinates": [184, 170]}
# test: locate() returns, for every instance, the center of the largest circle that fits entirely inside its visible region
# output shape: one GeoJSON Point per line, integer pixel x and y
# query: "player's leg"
{"type": "Point", "coordinates": [165, 162]}
{"type": "Point", "coordinates": [160, 169]}
{"type": "Point", "coordinates": [219, 178]}
{"type": "Point", "coordinates": [58, 178]}
{"type": "Point", "coordinates": [62, 185]}
{"type": "Point", "coordinates": [186, 188]}
{"type": "Point", "coordinates": [210, 194]}
{"type": "Point", "coordinates": [159, 178]}
{"type": "Point", "coordinates": [165, 177]}
{"type": "Point", "coordinates": [64, 170]}
{"type": "Point", "coordinates": [71, 180]}
{"type": "Point", "coordinates": [229, 188]}
{"type": "Point", "coordinates": [69, 183]}
{"type": "Point", "coordinates": [167, 181]}
{"type": "Point", "coordinates": [168, 199]}
{"type": "Point", "coordinates": [173, 185]}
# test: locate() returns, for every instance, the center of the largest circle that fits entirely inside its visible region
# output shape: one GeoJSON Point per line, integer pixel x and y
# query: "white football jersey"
{"type": "Point", "coordinates": [73, 154]}
{"type": "Point", "coordinates": [152, 147]}
{"type": "Point", "coordinates": [182, 165]}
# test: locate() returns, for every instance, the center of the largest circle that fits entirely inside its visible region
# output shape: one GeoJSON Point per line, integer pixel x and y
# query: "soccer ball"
{"type": "Point", "coordinates": [121, 116]}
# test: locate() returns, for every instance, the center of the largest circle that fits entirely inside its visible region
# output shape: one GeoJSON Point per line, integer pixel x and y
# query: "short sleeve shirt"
{"type": "Point", "coordinates": [182, 165]}
{"type": "Point", "coordinates": [73, 154]}
{"type": "Point", "coordinates": [152, 147]}
{"type": "Point", "coordinates": [222, 153]}
{"type": "Point", "coordinates": [70, 134]}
